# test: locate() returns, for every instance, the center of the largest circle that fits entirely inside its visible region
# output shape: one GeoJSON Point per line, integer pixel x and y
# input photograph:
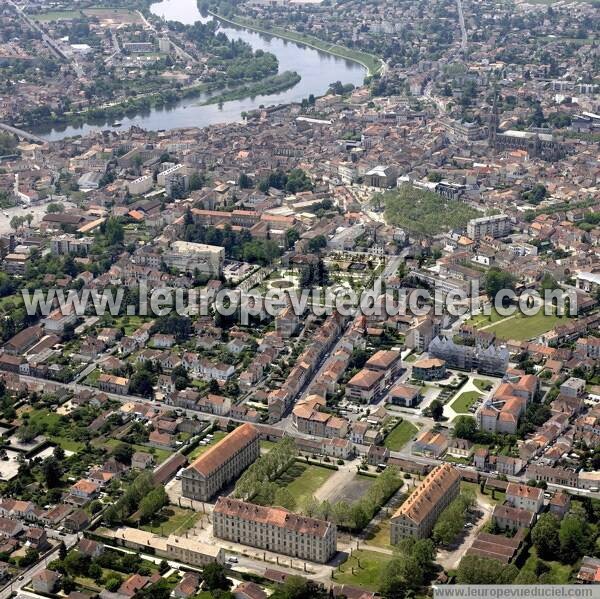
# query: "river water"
{"type": "Point", "coordinates": [317, 69]}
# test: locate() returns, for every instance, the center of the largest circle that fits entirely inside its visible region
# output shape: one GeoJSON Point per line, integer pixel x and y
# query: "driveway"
{"type": "Point", "coordinates": [449, 559]}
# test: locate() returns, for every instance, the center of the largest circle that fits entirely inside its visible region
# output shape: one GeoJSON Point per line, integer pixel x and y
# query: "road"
{"type": "Point", "coordinates": [54, 47]}
{"type": "Point", "coordinates": [17, 585]}
{"type": "Point", "coordinates": [463, 29]}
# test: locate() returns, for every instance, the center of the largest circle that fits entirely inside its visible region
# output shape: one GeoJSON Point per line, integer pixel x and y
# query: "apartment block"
{"type": "Point", "coordinates": [221, 464]}
{"type": "Point", "coordinates": [365, 385]}
{"type": "Point", "coordinates": [274, 529]}
{"type": "Point", "coordinates": [494, 226]}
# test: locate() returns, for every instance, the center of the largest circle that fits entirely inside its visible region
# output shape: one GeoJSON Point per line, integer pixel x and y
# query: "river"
{"type": "Point", "coordinates": [317, 69]}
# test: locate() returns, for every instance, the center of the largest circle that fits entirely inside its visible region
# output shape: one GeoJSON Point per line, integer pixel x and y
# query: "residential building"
{"type": "Point", "coordinates": [308, 418]}
{"type": "Point", "coordinates": [502, 412]}
{"type": "Point", "coordinates": [498, 225]}
{"type": "Point", "coordinates": [387, 362]}
{"type": "Point", "coordinates": [525, 497]}
{"type": "Point", "coordinates": [511, 518]}
{"type": "Point", "coordinates": [113, 384]}
{"type": "Point", "coordinates": [430, 444]}
{"type": "Point", "coordinates": [365, 386]}
{"type": "Point", "coordinates": [484, 357]}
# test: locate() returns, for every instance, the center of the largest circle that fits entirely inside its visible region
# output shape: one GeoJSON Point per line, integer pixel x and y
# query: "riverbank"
{"type": "Point", "coordinates": [268, 86]}
{"type": "Point", "coordinates": [372, 63]}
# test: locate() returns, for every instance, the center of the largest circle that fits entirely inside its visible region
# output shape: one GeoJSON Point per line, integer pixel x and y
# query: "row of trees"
{"type": "Point", "coordinates": [451, 521]}
{"type": "Point", "coordinates": [142, 496]}
{"type": "Point", "coordinates": [266, 469]}
{"type": "Point", "coordinates": [355, 516]}
{"type": "Point", "coordinates": [411, 567]}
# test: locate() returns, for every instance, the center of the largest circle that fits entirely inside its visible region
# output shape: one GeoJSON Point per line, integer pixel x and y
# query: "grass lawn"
{"type": "Point", "coordinates": [367, 574]}
{"type": "Point", "coordinates": [464, 401]}
{"type": "Point", "coordinates": [92, 377]}
{"type": "Point", "coordinates": [160, 455]}
{"type": "Point", "coordinates": [172, 520]}
{"type": "Point", "coordinates": [303, 480]}
{"type": "Point", "coordinates": [218, 435]}
{"type": "Point", "coordinates": [481, 320]}
{"type": "Point", "coordinates": [66, 443]}
{"type": "Point", "coordinates": [401, 434]}
{"type": "Point", "coordinates": [266, 446]}
{"type": "Point", "coordinates": [11, 300]}
{"type": "Point", "coordinates": [129, 323]}
{"type": "Point", "coordinates": [411, 358]}
{"type": "Point", "coordinates": [559, 573]}
{"type": "Point", "coordinates": [380, 536]}
{"type": "Point", "coordinates": [489, 496]}
{"type": "Point", "coordinates": [482, 385]}
{"type": "Point", "coordinates": [523, 327]}
{"type": "Point", "coordinates": [50, 419]}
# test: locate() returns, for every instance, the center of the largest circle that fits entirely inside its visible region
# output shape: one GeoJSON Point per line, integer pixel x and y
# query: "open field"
{"type": "Point", "coordinates": [114, 16]}
{"type": "Point", "coordinates": [481, 320]}
{"type": "Point", "coordinates": [367, 565]}
{"type": "Point", "coordinates": [464, 401]}
{"type": "Point", "coordinates": [56, 15]}
{"type": "Point", "coordinates": [400, 435]}
{"type": "Point", "coordinates": [521, 327]}
{"type": "Point", "coordinates": [518, 326]}
{"type": "Point", "coordinates": [302, 480]}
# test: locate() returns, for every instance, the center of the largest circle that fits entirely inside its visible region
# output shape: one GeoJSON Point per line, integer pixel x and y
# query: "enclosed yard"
{"type": "Point", "coordinates": [380, 534]}
{"type": "Point", "coordinates": [302, 480]}
{"type": "Point", "coordinates": [363, 569]}
{"type": "Point", "coordinates": [354, 489]}
{"type": "Point", "coordinates": [401, 434]}
{"type": "Point", "coordinates": [173, 520]}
